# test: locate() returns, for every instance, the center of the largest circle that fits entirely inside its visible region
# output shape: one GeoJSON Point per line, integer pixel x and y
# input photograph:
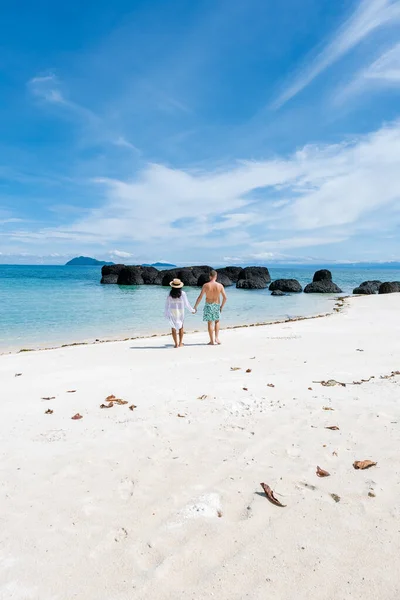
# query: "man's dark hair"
{"type": "Point", "coordinates": [175, 293]}
{"type": "Point", "coordinates": [213, 273]}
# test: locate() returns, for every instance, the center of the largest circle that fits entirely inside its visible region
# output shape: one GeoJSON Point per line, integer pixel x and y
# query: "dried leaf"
{"type": "Point", "coordinates": [219, 513]}
{"type": "Point", "coordinates": [333, 428]}
{"type": "Point", "coordinates": [371, 494]}
{"type": "Point", "coordinates": [270, 495]}
{"type": "Point", "coordinates": [120, 402]}
{"type": "Point", "coordinates": [363, 464]}
{"type": "Point", "coordinates": [330, 383]}
{"type": "Point", "coordinates": [334, 453]}
{"type": "Point", "coordinates": [270, 385]}
{"type": "Point", "coordinates": [110, 405]}
{"type": "Point", "coordinates": [322, 473]}
{"type": "Point", "coordinates": [17, 374]}
{"type": "Point", "coordinates": [109, 398]}
{"type": "Point", "coordinates": [248, 370]}
{"type": "Point", "coordinates": [49, 411]}
{"type": "Point", "coordinates": [76, 417]}
{"type": "Point", "coordinates": [235, 368]}
{"type": "Point", "coordinates": [335, 497]}
{"type": "Point", "coordinates": [203, 397]}
{"type": "Point", "coordinates": [181, 416]}
{"type": "Point", "coordinates": [71, 391]}
{"type": "Point", "coordinates": [49, 398]}
{"type": "Point", "coordinates": [327, 408]}
{"type": "Point", "coordinates": [310, 388]}
{"type": "Point", "coordinates": [359, 350]}
{"type": "Point", "coordinates": [245, 389]}
{"type": "Point", "coordinates": [132, 407]}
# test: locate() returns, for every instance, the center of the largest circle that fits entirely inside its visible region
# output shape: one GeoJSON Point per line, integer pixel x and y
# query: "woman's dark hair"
{"type": "Point", "coordinates": [175, 293]}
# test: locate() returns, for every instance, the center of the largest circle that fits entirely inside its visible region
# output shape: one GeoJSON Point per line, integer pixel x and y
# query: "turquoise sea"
{"type": "Point", "coordinates": [44, 306]}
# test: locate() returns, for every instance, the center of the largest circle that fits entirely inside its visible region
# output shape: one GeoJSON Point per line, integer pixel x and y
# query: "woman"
{"type": "Point", "coordinates": [175, 310]}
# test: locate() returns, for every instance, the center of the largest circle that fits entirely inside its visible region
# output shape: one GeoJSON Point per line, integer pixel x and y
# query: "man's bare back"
{"type": "Point", "coordinates": [213, 291]}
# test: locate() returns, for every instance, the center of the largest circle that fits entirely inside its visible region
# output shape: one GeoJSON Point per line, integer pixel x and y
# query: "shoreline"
{"type": "Point", "coordinates": [337, 304]}
{"type": "Point", "coordinates": [159, 495]}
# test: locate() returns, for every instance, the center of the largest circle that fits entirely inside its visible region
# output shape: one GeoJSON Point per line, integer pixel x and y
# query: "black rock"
{"type": "Point", "coordinates": [150, 275]}
{"type": "Point", "coordinates": [231, 272]}
{"type": "Point", "coordinates": [108, 279]}
{"type": "Point", "coordinates": [322, 287]}
{"type": "Point", "coordinates": [277, 293]}
{"type": "Point", "coordinates": [201, 270]}
{"type": "Point", "coordinates": [109, 273]}
{"type": "Point", "coordinates": [185, 274]}
{"type": "Point", "coordinates": [368, 287]}
{"type": "Point", "coordinates": [322, 275]}
{"type": "Point", "coordinates": [256, 283]}
{"type": "Point", "coordinates": [131, 275]}
{"type": "Point", "coordinates": [221, 278]}
{"type": "Point", "coordinates": [286, 285]}
{"type": "Point", "coordinates": [112, 269]}
{"type": "Point", "coordinates": [255, 273]}
{"type": "Point", "coordinates": [389, 287]}
{"type": "Point", "coordinates": [374, 282]}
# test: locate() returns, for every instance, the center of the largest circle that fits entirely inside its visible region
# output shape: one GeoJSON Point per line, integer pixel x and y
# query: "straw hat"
{"type": "Point", "coordinates": [176, 283]}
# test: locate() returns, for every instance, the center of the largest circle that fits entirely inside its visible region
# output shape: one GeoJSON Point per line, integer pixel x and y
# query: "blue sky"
{"type": "Point", "coordinates": [204, 131]}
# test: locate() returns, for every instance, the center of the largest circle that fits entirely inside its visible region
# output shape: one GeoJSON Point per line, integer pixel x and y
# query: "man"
{"type": "Point", "coordinates": [213, 307]}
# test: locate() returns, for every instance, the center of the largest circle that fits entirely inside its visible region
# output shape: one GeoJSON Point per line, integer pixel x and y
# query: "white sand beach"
{"type": "Point", "coordinates": [164, 501]}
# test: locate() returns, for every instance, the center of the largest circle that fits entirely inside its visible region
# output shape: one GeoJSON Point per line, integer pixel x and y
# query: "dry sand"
{"type": "Point", "coordinates": [147, 504]}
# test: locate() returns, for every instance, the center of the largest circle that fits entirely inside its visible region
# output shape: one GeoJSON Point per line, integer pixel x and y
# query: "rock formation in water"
{"type": "Point", "coordinates": [322, 284]}
{"type": "Point", "coordinates": [253, 278]}
{"type": "Point", "coordinates": [389, 287]}
{"type": "Point", "coordinates": [368, 287]}
{"type": "Point", "coordinates": [286, 285]}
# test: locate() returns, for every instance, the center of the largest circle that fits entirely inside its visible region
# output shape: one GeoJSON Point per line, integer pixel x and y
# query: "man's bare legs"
{"type": "Point", "coordinates": [175, 337]}
{"type": "Point", "coordinates": [181, 337]}
{"type": "Point", "coordinates": [217, 332]}
{"type": "Point", "coordinates": [211, 332]}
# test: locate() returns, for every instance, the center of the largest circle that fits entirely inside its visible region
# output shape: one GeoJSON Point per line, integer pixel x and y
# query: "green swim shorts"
{"type": "Point", "coordinates": [211, 312]}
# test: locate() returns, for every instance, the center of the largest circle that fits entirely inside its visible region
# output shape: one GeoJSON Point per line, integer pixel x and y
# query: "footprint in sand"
{"type": "Point", "coordinates": [126, 488]}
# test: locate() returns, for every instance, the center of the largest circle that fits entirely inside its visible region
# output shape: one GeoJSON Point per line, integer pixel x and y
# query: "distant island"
{"type": "Point", "coordinates": [85, 261]}
{"type": "Point", "coordinates": [160, 264]}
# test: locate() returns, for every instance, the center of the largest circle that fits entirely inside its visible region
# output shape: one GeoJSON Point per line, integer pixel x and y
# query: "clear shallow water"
{"type": "Point", "coordinates": [52, 305]}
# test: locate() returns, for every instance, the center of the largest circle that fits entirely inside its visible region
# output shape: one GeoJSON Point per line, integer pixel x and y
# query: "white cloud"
{"type": "Point", "coordinates": [382, 73]}
{"type": "Point", "coordinates": [120, 254]}
{"type": "Point", "coordinates": [327, 194]}
{"type": "Point", "coordinates": [124, 143]}
{"type": "Point", "coordinates": [369, 16]}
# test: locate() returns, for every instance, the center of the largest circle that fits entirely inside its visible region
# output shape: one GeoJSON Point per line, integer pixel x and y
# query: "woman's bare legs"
{"type": "Point", "coordinates": [211, 332]}
{"type": "Point", "coordinates": [175, 337]}
{"type": "Point", "coordinates": [181, 332]}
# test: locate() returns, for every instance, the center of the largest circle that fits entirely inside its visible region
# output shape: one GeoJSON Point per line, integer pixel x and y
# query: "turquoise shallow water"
{"type": "Point", "coordinates": [52, 305]}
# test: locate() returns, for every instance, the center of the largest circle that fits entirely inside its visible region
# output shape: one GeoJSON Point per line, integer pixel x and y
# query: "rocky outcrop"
{"type": "Point", "coordinates": [151, 276]}
{"type": "Point", "coordinates": [109, 273]}
{"type": "Point", "coordinates": [368, 287]}
{"type": "Point", "coordinates": [389, 287]}
{"type": "Point", "coordinates": [221, 278]}
{"type": "Point", "coordinates": [286, 285]}
{"type": "Point", "coordinates": [277, 293]}
{"type": "Point", "coordinates": [131, 275]}
{"type": "Point", "coordinates": [253, 278]}
{"type": "Point", "coordinates": [256, 283]}
{"type": "Point", "coordinates": [322, 284]}
{"type": "Point", "coordinates": [322, 275]}
{"type": "Point", "coordinates": [322, 287]}
{"type": "Point", "coordinates": [185, 274]}
{"type": "Point", "coordinates": [231, 272]}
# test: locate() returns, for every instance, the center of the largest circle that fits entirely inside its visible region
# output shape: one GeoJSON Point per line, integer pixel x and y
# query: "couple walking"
{"type": "Point", "coordinates": [177, 301]}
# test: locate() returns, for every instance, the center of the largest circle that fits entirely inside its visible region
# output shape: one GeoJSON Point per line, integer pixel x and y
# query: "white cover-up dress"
{"type": "Point", "coordinates": [175, 310]}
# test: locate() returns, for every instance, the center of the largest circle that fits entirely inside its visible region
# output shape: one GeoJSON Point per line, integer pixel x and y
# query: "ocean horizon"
{"type": "Point", "coordinates": [50, 305]}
